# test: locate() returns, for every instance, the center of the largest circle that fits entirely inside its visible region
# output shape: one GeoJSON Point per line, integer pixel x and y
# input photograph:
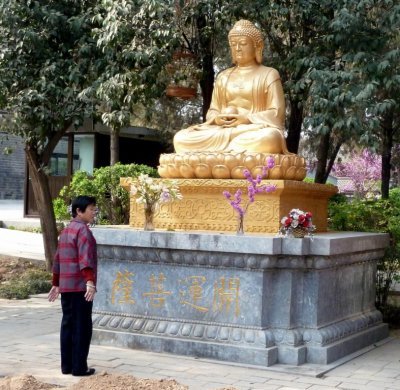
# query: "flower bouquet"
{"type": "Point", "coordinates": [150, 192]}
{"type": "Point", "coordinates": [297, 224]}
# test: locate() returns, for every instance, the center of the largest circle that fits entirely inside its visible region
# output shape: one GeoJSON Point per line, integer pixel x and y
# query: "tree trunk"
{"type": "Point", "coordinates": [114, 145]}
{"type": "Point", "coordinates": [387, 144]}
{"type": "Point", "coordinates": [114, 158]}
{"type": "Point", "coordinates": [322, 158]}
{"type": "Point", "coordinates": [207, 83]}
{"type": "Point", "coordinates": [332, 159]}
{"type": "Point", "coordinates": [294, 130]}
{"type": "Point", "coordinates": [41, 191]}
{"type": "Point", "coordinates": [207, 57]}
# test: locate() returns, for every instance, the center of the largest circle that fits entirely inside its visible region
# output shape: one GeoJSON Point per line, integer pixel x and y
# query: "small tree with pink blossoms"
{"type": "Point", "coordinates": [364, 171]}
{"type": "Point", "coordinates": [255, 187]}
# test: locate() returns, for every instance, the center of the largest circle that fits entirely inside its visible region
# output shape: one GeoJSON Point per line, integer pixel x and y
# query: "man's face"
{"type": "Point", "coordinates": [243, 50]}
{"type": "Point", "coordinates": [89, 214]}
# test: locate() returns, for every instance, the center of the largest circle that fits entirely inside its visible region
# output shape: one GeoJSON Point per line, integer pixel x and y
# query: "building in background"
{"type": "Point", "coordinates": [12, 167]}
{"type": "Point", "coordinates": [85, 148]}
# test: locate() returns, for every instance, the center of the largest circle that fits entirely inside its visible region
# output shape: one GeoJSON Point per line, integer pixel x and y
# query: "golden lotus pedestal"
{"type": "Point", "coordinates": [204, 207]}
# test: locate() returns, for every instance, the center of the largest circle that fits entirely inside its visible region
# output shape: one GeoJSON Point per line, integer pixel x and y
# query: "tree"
{"type": "Point", "coordinates": [45, 54]}
{"type": "Point", "coordinates": [367, 33]}
{"type": "Point", "coordinates": [136, 40]}
{"type": "Point", "coordinates": [395, 163]}
{"type": "Point", "coordinates": [364, 170]}
{"type": "Point", "coordinates": [202, 26]}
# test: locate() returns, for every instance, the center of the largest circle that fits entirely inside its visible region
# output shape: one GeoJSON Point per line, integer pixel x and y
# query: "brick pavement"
{"type": "Point", "coordinates": [29, 343]}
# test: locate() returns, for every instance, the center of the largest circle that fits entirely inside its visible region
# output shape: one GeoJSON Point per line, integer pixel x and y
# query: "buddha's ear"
{"type": "Point", "coordinates": [233, 55]}
{"type": "Point", "coordinates": [259, 54]}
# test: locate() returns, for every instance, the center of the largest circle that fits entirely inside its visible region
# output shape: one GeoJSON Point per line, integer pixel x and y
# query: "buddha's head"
{"type": "Point", "coordinates": [248, 32]}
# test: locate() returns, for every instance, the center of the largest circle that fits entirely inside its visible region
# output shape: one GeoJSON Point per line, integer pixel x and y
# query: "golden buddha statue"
{"type": "Point", "coordinates": [244, 124]}
{"type": "Point", "coordinates": [247, 111]}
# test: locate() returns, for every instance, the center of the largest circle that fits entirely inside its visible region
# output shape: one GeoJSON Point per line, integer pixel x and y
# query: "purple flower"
{"type": "Point", "coordinates": [247, 174]}
{"type": "Point", "coordinates": [270, 162]}
{"type": "Point", "coordinates": [251, 191]}
{"type": "Point", "coordinates": [253, 188]}
{"type": "Point", "coordinates": [227, 194]}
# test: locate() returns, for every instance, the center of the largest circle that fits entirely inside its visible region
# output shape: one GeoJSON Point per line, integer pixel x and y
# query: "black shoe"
{"type": "Point", "coordinates": [66, 370]}
{"type": "Point", "coordinates": [89, 371]}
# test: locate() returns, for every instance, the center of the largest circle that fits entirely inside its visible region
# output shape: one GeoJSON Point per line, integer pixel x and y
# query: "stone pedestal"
{"type": "Point", "coordinates": [248, 299]}
{"type": "Point", "coordinates": [204, 207]}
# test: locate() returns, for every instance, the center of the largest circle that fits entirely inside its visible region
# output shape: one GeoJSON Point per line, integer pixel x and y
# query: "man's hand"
{"type": "Point", "coordinates": [53, 294]}
{"type": "Point", "coordinates": [90, 291]}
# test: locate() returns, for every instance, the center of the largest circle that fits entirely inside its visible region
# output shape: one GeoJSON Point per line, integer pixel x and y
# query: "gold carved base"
{"type": "Point", "coordinates": [203, 206]}
{"type": "Point", "coordinates": [230, 165]}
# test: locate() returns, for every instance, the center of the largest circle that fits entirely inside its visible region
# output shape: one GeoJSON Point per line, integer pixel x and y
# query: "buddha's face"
{"type": "Point", "coordinates": [243, 50]}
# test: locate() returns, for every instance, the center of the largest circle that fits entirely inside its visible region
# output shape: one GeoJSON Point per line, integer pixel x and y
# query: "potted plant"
{"type": "Point", "coordinates": [184, 75]}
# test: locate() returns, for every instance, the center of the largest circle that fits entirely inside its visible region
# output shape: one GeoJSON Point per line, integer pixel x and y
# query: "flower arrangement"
{"type": "Point", "coordinates": [297, 223]}
{"type": "Point", "coordinates": [253, 188]}
{"type": "Point", "coordinates": [150, 193]}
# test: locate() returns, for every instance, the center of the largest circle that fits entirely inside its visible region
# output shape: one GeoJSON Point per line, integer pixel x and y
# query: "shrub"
{"type": "Point", "coordinates": [373, 216]}
{"type": "Point", "coordinates": [112, 199]}
{"type": "Point", "coordinates": [32, 281]}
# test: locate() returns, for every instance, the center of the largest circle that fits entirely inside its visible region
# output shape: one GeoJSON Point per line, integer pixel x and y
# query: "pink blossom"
{"type": "Point", "coordinates": [253, 188]}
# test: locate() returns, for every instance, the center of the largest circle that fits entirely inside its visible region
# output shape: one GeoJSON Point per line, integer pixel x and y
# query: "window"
{"type": "Point", "coordinates": [59, 159]}
{"type": "Point", "coordinates": [83, 153]}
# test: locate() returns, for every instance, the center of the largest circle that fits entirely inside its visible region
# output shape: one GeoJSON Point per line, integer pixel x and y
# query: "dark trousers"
{"type": "Point", "coordinates": [76, 332]}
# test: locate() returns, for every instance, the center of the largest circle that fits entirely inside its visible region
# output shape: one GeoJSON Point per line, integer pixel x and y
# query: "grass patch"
{"type": "Point", "coordinates": [19, 279]}
{"type": "Point", "coordinates": [29, 229]}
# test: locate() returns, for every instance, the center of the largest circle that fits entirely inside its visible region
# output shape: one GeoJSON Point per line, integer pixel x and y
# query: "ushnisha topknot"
{"type": "Point", "coordinates": [245, 27]}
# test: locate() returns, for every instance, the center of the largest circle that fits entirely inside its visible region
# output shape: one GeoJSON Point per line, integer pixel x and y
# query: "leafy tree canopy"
{"type": "Point", "coordinates": [46, 51]}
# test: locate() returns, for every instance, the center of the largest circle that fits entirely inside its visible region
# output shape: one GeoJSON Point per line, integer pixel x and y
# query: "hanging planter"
{"type": "Point", "coordinates": [181, 92]}
{"type": "Point", "coordinates": [184, 75]}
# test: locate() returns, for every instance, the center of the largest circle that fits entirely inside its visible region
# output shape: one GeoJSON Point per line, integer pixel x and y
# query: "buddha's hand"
{"type": "Point", "coordinates": [231, 120]}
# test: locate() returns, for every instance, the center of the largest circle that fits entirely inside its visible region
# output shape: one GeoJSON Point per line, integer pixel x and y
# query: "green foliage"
{"type": "Point", "coordinates": [33, 281]}
{"type": "Point", "coordinates": [30, 229]}
{"type": "Point", "coordinates": [60, 210]}
{"type": "Point", "coordinates": [46, 58]}
{"type": "Point", "coordinates": [14, 290]}
{"type": "Point", "coordinates": [136, 40]}
{"type": "Point", "coordinates": [373, 216]}
{"type": "Point", "coordinates": [45, 54]}
{"type": "Point", "coordinates": [338, 198]}
{"type": "Point", "coordinates": [394, 195]}
{"type": "Point", "coordinates": [112, 199]}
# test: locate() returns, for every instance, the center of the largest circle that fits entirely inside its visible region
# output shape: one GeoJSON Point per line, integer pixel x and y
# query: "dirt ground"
{"type": "Point", "coordinates": [96, 382]}
{"type": "Point", "coordinates": [12, 268]}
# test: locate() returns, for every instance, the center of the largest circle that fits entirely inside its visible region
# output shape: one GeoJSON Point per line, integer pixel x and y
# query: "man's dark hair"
{"type": "Point", "coordinates": [81, 202]}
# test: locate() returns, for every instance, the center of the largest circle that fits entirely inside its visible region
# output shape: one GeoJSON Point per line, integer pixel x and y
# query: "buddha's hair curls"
{"type": "Point", "coordinates": [246, 28]}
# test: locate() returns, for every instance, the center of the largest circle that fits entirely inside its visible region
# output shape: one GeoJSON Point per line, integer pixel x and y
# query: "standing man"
{"type": "Point", "coordinates": [74, 276]}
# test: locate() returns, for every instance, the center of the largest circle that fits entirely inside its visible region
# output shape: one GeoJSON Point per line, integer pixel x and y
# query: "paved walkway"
{"type": "Point", "coordinates": [20, 244]}
{"type": "Point", "coordinates": [17, 243]}
{"type": "Point", "coordinates": [12, 214]}
{"type": "Point", "coordinates": [29, 344]}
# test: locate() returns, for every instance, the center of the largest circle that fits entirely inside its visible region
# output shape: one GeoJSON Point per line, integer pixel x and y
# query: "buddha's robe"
{"type": "Point", "coordinates": [256, 92]}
